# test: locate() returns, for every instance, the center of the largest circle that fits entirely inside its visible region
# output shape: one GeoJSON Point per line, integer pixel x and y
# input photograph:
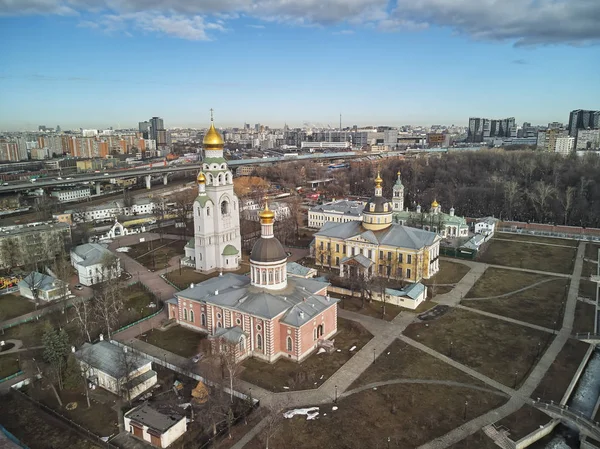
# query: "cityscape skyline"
{"type": "Point", "coordinates": [110, 65]}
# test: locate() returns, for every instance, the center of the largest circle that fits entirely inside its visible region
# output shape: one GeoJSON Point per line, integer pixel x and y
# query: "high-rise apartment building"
{"type": "Point", "coordinates": [483, 128]}
{"type": "Point", "coordinates": [144, 128]}
{"type": "Point", "coordinates": [564, 145]}
{"type": "Point", "coordinates": [156, 124]}
{"type": "Point", "coordinates": [583, 119]}
{"type": "Point", "coordinates": [588, 139]}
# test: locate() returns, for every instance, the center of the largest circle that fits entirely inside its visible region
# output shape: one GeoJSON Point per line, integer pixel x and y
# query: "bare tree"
{"type": "Point", "coordinates": [566, 201]}
{"type": "Point", "coordinates": [184, 206]}
{"type": "Point", "coordinates": [511, 194]}
{"type": "Point", "coordinates": [56, 348]}
{"type": "Point", "coordinates": [228, 356]}
{"type": "Point", "coordinates": [108, 302]}
{"type": "Point", "coordinates": [127, 365]}
{"type": "Point", "coordinates": [159, 212]}
{"type": "Point", "coordinates": [540, 196]}
{"type": "Point", "coordinates": [273, 423]}
{"type": "Point", "coordinates": [84, 316]}
{"type": "Point", "coordinates": [34, 281]}
{"type": "Point", "coordinates": [11, 252]}
{"type": "Point", "coordinates": [62, 270]}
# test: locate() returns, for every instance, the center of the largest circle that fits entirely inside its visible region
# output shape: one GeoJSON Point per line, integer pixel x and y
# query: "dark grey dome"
{"type": "Point", "coordinates": [378, 201]}
{"type": "Point", "coordinates": [267, 250]}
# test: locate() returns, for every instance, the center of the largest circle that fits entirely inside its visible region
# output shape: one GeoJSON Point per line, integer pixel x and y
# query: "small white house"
{"type": "Point", "coordinates": [115, 369]}
{"type": "Point", "coordinates": [486, 226]}
{"type": "Point", "coordinates": [410, 296]}
{"type": "Point", "coordinates": [158, 428]}
{"type": "Point", "coordinates": [90, 261]}
{"type": "Point", "coordinates": [46, 287]}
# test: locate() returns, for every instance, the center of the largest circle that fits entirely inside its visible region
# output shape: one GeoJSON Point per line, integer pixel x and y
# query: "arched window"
{"type": "Point", "coordinates": [320, 330]}
{"type": "Point", "coordinates": [192, 316]}
{"type": "Point", "coordinates": [242, 344]}
{"type": "Point", "coordinates": [203, 320]}
{"type": "Point", "coordinates": [290, 344]}
{"type": "Point", "coordinates": [224, 207]}
{"type": "Point", "coordinates": [200, 256]}
{"type": "Point", "coordinates": [185, 314]}
{"type": "Point", "coordinates": [219, 324]}
{"type": "Point", "coordinates": [208, 211]}
{"type": "Point", "coordinates": [258, 341]}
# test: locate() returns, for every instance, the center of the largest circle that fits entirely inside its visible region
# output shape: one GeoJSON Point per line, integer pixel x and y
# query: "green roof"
{"type": "Point", "coordinates": [214, 160]}
{"type": "Point", "coordinates": [203, 199]}
{"type": "Point", "coordinates": [230, 251]}
{"type": "Point", "coordinates": [428, 216]}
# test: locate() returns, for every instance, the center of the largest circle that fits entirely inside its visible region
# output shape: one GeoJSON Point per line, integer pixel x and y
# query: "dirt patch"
{"type": "Point", "coordinates": [478, 440]}
{"type": "Point", "coordinates": [536, 239]}
{"type": "Point", "coordinates": [585, 315]}
{"type": "Point", "coordinates": [497, 281]}
{"type": "Point", "coordinates": [176, 339]}
{"type": "Point", "coordinates": [434, 313]}
{"type": "Point", "coordinates": [450, 273]}
{"type": "Point", "coordinates": [524, 421]}
{"type": "Point", "coordinates": [373, 309]}
{"type": "Point", "coordinates": [12, 306]}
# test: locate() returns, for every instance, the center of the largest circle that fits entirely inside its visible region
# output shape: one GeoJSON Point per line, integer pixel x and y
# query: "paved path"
{"type": "Point", "coordinates": [463, 286]}
{"type": "Point", "coordinates": [39, 312]}
{"type": "Point", "coordinates": [505, 295]}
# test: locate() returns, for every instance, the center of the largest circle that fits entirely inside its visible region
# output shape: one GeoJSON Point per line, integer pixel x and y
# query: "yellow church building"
{"type": "Point", "coordinates": [376, 246]}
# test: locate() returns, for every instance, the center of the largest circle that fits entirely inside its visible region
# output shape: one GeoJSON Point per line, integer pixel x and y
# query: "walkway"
{"type": "Point", "coordinates": [39, 312]}
{"type": "Point", "coordinates": [507, 319]}
{"type": "Point", "coordinates": [463, 286]}
{"type": "Point", "coordinates": [505, 295]}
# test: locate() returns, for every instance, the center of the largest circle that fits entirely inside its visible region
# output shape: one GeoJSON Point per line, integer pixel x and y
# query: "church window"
{"type": "Point", "coordinates": [224, 207]}
{"type": "Point", "coordinates": [370, 254]}
{"type": "Point", "coordinates": [277, 277]}
{"type": "Point", "coordinates": [258, 327]}
{"type": "Point", "coordinates": [226, 261]}
{"type": "Point", "coordinates": [259, 341]}
{"type": "Point", "coordinates": [208, 211]}
{"type": "Point", "coordinates": [218, 315]}
{"type": "Point", "coordinates": [238, 321]}
{"type": "Point", "coordinates": [192, 316]}
{"type": "Point", "coordinates": [270, 276]}
{"type": "Point", "coordinates": [242, 344]}
{"type": "Point", "coordinates": [290, 344]}
{"type": "Point", "coordinates": [185, 314]}
{"type": "Point", "coordinates": [200, 256]}
{"type": "Point", "coordinates": [203, 320]}
{"type": "Point", "coordinates": [219, 324]}
{"type": "Point", "coordinates": [264, 276]}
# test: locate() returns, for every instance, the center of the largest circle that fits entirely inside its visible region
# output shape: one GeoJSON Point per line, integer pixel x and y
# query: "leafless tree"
{"type": "Point", "coordinates": [11, 252]}
{"type": "Point", "coordinates": [62, 270]}
{"type": "Point", "coordinates": [511, 195]}
{"type": "Point", "coordinates": [566, 200]}
{"type": "Point", "coordinates": [159, 212]}
{"type": "Point", "coordinates": [228, 356]}
{"type": "Point", "coordinates": [273, 423]}
{"type": "Point", "coordinates": [34, 281]}
{"type": "Point", "coordinates": [184, 206]}
{"type": "Point", "coordinates": [108, 301]}
{"type": "Point", "coordinates": [84, 316]}
{"type": "Point", "coordinates": [540, 196]}
{"type": "Point", "coordinates": [127, 364]}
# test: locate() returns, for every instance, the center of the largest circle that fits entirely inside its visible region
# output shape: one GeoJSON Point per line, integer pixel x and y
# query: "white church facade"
{"type": "Point", "coordinates": [216, 245]}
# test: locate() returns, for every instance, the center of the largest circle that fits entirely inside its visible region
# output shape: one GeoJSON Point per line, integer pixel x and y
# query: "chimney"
{"type": "Point", "coordinates": [192, 285]}
{"type": "Point", "coordinates": [301, 314]}
{"type": "Point", "coordinates": [125, 349]}
{"type": "Point", "coordinates": [418, 208]}
{"type": "Point", "coordinates": [216, 292]}
{"type": "Point", "coordinates": [72, 348]}
{"type": "Point", "coordinates": [101, 337]}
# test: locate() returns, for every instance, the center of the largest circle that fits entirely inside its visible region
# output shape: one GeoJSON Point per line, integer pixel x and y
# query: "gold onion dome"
{"type": "Point", "coordinates": [201, 179]}
{"type": "Point", "coordinates": [212, 138]}
{"type": "Point", "coordinates": [378, 180]}
{"type": "Point", "coordinates": [435, 203]}
{"type": "Point", "coordinates": [266, 213]}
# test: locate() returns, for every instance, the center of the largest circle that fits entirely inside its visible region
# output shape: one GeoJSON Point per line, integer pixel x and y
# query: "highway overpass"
{"type": "Point", "coordinates": [161, 170]}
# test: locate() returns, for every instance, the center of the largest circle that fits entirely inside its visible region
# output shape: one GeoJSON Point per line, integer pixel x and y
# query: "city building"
{"type": "Point", "coordinates": [250, 208]}
{"type": "Point", "coordinates": [156, 427]}
{"type": "Point", "coordinates": [547, 138]}
{"type": "Point", "coordinates": [588, 139]}
{"type": "Point", "coordinates": [564, 145]}
{"type": "Point", "coordinates": [20, 244]}
{"type": "Point", "coordinates": [39, 286]}
{"type": "Point", "coordinates": [64, 196]}
{"type": "Point", "coordinates": [410, 296]}
{"type": "Point", "coordinates": [113, 210]}
{"type": "Point", "coordinates": [265, 315]}
{"type": "Point", "coordinates": [486, 226]}
{"type": "Point", "coordinates": [337, 211]}
{"type": "Point", "coordinates": [446, 225]}
{"type": "Point", "coordinates": [115, 369]}
{"type": "Point", "coordinates": [583, 119]}
{"type": "Point", "coordinates": [297, 270]}
{"type": "Point", "coordinates": [377, 246]}
{"type": "Point", "coordinates": [481, 129]}
{"type": "Point", "coordinates": [217, 241]}
{"type": "Point", "coordinates": [94, 263]}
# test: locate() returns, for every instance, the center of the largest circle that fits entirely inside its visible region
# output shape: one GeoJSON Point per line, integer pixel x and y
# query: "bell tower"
{"type": "Point", "coordinates": [398, 198]}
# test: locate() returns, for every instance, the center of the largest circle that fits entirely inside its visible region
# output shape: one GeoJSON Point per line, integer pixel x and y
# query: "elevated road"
{"type": "Point", "coordinates": [163, 170]}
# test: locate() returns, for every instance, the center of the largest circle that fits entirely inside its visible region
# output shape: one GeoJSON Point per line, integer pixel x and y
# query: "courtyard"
{"type": "Point", "coordinates": [176, 339]}
{"type": "Point", "coordinates": [443, 281]}
{"type": "Point", "coordinates": [500, 350]}
{"type": "Point", "coordinates": [154, 254]}
{"type": "Point", "coordinates": [285, 375]}
{"type": "Point", "coordinates": [531, 256]}
{"type": "Point", "coordinates": [13, 305]}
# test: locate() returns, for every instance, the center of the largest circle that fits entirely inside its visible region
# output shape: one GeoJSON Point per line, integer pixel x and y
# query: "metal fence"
{"type": "Point", "coordinates": [11, 437]}
{"type": "Point", "coordinates": [560, 235]}
{"type": "Point", "coordinates": [12, 376]}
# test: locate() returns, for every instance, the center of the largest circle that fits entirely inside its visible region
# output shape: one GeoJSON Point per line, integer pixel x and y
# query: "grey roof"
{"type": "Point", "coordinates": [364, 261]}
{"type": "Point", "coordinates": [171, 301]}
{"type": "Point", "coordinates": [294, 268]}
{"type": "Point", "coordinates": [11, 231]}
{"type": "Point", "coordinates": [267, 250]}
{"type": "Point", "coordinates": [345, 207]}
{"type": "Point", "coordinates": [411, 290]}
{"type": "Point", "coordinates": [109, 358]}
{"type": "Point", "coordinates": [235, 292]}
{"type": "Point", "coordinates": [148, 416]}
{"type": "Point", "coordinates": [39, 281]}
{"type": "Point", "coordinates": [488, 220]}
{"type": "Point", "coordinates": [379, 202]}
{"type": "Point", "coordinates": [231, 334]}
{"type": "Point", "coordinates": [394, 235]}
{"type": "Point", "coordinates": [91, 253]}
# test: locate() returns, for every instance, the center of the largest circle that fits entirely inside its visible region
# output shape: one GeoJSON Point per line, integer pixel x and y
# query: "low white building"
{"type": "Point", "coordinates": [64, 196]}
{"type": "Point", "coordinates": [250, 210]}
{"type": "Point", "coordinates": [45, 287]}
{"type": "Point", "coordinates": [112, 210]}
{"type": "Point", "coordinates": [91, 260]}
{"type": "Point", "coordinates": [486, 226]}
{"type": "Point", "coordinates": [410, 296]}
{"type": "Point", "coordinates": [564, 145]}
{"type": "Point", "coordinates": [158, 428]}
{"type": "Point", "coordinates": [116, 369]}
{"type": "Point", "coordinates": [336, 211]}
{"type": "Point", "coordinates": [300, 271]}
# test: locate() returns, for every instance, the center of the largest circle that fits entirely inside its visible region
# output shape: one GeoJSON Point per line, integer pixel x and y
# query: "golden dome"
{"type": "Point", "coordinates": [201, 179]}
{"type": "Point", "coordinates": [266, 215]}
{"type": "Point", "coordinates": [435, 203]}
{"type": "Point", "coordinates": [212, 138]}
{"type": "Point", "coordinates": [378, 180]}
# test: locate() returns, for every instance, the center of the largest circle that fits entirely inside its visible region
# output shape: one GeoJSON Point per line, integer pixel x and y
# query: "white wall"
{"type": "Point", "coordinates": [167, 438]}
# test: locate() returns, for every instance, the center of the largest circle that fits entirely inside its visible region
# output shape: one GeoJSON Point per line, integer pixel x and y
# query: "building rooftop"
{"type": "Point", "coordinates": [295, 269]}
{"type": "Point", "coordinates": [109, 358]}
{"type": "Point", "coordinates": [150, 417]}
{"type": "Point", "coordinates": [298, 302]}
{"type": "Point", "coordinates": [91, 253]}
{"type": "Point", "coordinates": [32, 227]}
{"type": "Point", "coordinates": [428, 216]}
{"type": "Point", "coordinates": [40, 281]}
{"type": "Point", "coordinates": [342, 207]}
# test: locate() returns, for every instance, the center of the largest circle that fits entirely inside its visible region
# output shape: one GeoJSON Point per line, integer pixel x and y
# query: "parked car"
{"type": "Point", "coordinates": [78, 287]}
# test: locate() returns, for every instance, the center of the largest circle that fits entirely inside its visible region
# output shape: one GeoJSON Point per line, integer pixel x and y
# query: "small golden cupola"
{"type": "Point", "coordinates": [201, 179]}
{"type": "Point", "coordinates": [435, 204]}
{"type": "Point", "coordinates": [378, 180]}
{"type": "Point", "coordinates": [266, 215]}
{"type": "Point", "coordinates": [212, 138]}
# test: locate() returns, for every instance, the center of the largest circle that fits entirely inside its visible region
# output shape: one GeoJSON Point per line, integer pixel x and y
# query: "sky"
{"type": "Point", "coordinates": [101, 63]}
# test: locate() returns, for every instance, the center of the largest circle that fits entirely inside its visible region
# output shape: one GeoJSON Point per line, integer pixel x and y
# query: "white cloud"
{"type": "Point", "coordinates": [342, 32]}
{"type": "Point", "coordinates": [525, 22]}
{"type": "Point", "coordinates": [258, 27]}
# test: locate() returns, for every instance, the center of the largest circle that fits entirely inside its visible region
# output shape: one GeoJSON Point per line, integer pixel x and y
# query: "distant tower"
{"type": "Point", "coordinates": [398, 199]}
{"type": "Point", "coordinates": [217, 239]}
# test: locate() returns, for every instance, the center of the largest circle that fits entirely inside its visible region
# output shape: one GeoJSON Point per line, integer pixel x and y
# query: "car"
{"type": "Point", "coordinates": [105, 174]}
{"type": "Point", "coordinates": [78, 287]}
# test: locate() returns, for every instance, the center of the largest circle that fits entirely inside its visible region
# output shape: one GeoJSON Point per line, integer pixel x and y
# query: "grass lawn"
{"type": "Point", "coordinates": [588, 269]}
{"type": "Point", "coordinates": [38, 429]}
{"type": "Point", "coordinates": [558, 377]}
{"type": "Point", "coordinates": [554, 259]}
{"type": "Point", "coordinates": [495, 348]}
{"type": "Point", "coordinates": [524, 421]}
{"type": "Point", "coordinates": [373, 309]}
{"type": "Point", "coordinates": [156, 254]}
{"type": "Point", "coordinates": [542, 305]}
{"type": "Point", "coordinates": [176, 339]}
{"type": "Point", "coordinates": [497, 281]}
{"type": "Point", "coordinates": [536, 239]}
{"type": "Point", "coordinates": [393, 416]}
{"type": "Point", "coordinates": [9, 364]}
{"type": "Point", "coordinates": [450, 273]}
{"type": "Point", "coordinates": [478, 440]}
{"type": "Point", "coordinates": [189, 275]}
{"type": "Point", "coordinates": [587, 289]}
{"type": "Point", "coordinates": [591, 251]}
{"type": "Point", "coordinates": [584, 317]}
{"type": "Point", "coordinates": [314, 370]}
{"type": "Point", "coordinates": [402, 361]}
{"type": "Point", "coordinates": [12, 305]}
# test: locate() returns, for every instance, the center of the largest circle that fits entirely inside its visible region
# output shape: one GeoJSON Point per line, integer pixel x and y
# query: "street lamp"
{"type": "Point", "coordinates": [450, 349]}
{"type": "Point", "coordinates": [336, 395]}
{"type": "Point", "coordinates": [516, 374]}
{"type": "Point", "coordinates": [373, 355]}
{"type": "Point", "coordinates": [465, 412]}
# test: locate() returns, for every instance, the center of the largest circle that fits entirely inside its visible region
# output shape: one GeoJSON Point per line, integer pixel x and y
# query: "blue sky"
{"type": "Point", "coordinates": [118, 62]}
